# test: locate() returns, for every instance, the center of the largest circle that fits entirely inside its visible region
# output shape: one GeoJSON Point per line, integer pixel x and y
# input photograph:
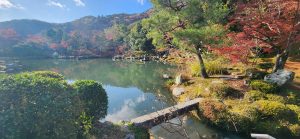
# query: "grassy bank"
{"type": "Point", "coordinates": [254, 107]}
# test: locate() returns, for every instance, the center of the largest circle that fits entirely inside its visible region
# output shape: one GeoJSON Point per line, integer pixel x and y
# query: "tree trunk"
{"type": "Point", "coordinates": [202, 66]}
{"type": "Point", "coordinates": [281, 59]}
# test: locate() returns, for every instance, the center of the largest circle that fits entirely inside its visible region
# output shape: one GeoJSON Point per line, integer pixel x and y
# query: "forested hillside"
{"type": "Point", "coordinates": [98, 36]}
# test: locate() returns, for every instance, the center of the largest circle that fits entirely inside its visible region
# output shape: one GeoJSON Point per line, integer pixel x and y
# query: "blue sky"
{"type": "Point", "coordinates": [58, 11]}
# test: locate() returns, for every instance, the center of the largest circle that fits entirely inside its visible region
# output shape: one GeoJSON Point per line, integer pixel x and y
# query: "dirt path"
{"type": "Point", "coordinates": [295, 67]}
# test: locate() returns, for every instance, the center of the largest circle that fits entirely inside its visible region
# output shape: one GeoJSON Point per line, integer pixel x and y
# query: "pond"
{"type": "Point", "coordinates": [133, 89]}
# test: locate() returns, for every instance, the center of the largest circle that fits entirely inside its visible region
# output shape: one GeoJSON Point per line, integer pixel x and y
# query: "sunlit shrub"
{"type": "Point", "coordinates": [213, 67]}
{"type": "Point", "coordinates": [170, 82]}
{"type": "Point", "coordinates": [296, 109]}
{"type": "Point", "coordinates": [222, 91]}
{"type": "Point", "coordinates": [244, 116]}
{"type": "Point", "coordinates": [273, 97]}
{"type": "Point", "coordinates": [275, 110]}
{"type": "Point", "coordinates": [263, 86]}
{"type": "Point", "coordinates": [48, 74]}
{"type": "Point", "coordinates": [295, 130]}
{"type": "Point", "coordinates": [254, 95]}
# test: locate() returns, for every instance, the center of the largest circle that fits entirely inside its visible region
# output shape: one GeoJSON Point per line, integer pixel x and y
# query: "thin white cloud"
{"type": "Point", "coordinates": [55, 4]}
{"type": "Point", "coordinates": [6, 4]}
{"type": "Point", "coordinates": [79, 3]}
{"type": "Point", "coordinates": [127, 110]}
{"type": "Point", "coordinates": [141, 2]}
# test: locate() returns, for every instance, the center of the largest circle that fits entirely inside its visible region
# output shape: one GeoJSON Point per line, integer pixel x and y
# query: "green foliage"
{"type": "Point", "coordinates": [138, 40]}
{"type": "Point", "coordinates": [272, 128]}
{"type": "Point", "coordinates": [49, 101]}
{"type": "Point", "coordinates": [295, 130]}
{"type": "Point", "coordinates": [254, 95]}
{"type": "Point", "coordinates": [48, 74]}
{"type": "Point", "coordinates": [170, 82]}
{"type": "Point", "coordinates": [222, 91]}
{"type": "Point", "coordinates": [157, 25]}
{"type": "Point", "coordinates": [244, 116]}
{"type": "Point", "coordinates": [296, 109]}
{"type": "Point", "coordinates": [30, 49]}
{"type": "Point", "coordinates": [116, 33]}
{"type": "Point", "coordinates": [198, 36]}
{"type": "Point", "coordinates": [263, 86]}
{"type": "Point", "coordinates": [274, 97]}
{"type": "Point", "coordinates": [213, 67]}
{"type": "Point", "coordinates": [266, 66]}
{"type": "Point", "coordinates": [139, 132]}
{"type": "Point", "coordinates": [94, 97]}
{"type": "Point", "coordinates": [56, 35]}
{"type": "Point", "coordinates": [275, 110]}
{"type": "Point", "coordinates": [86, 122]}
{"type": "Point", "coordinates": [214, 10]}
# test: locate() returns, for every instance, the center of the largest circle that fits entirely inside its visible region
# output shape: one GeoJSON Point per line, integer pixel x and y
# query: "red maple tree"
{"type": "Point", "coordinates": [274, 23]}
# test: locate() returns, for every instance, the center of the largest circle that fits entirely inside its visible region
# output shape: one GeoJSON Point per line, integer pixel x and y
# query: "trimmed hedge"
{"type": "Point", "coordinates": [43, 105]}
{"type": "Point", "coordinates": [263, 86]}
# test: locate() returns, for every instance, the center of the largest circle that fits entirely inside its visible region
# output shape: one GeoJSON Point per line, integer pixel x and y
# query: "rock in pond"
{"type": "Point", "coordinates": [166, 76]}
{"type": "Point", "coordinates": [177, 91]}
{"type": "Point", "coordinates": [281, 77]}
{"type": "Point", "coordinates": [178, 80]}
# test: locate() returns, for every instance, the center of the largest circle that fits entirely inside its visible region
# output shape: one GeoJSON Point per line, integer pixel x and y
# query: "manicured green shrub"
{"type": "Point", "coordinates": [222, 91]}
{"type": "Point", "coordinates": [94, 97]}
{"type": "Point", "coordinates": [275, 110]}
{"type": "Point", "coordinates": [244, 116]}
{"type": "Point", "coordinates": [48, 107]}
{"type": "Point", "coordinates": [296, 109]}
{"type": "Point", "coordinates": [263, 86]}
{"type": "Point", "coordinates": [48, 74]}
{"type": "Point", "coordinates": [295, 130]}
{"type": "Point", "coordinates": [273, 97]}
{"type": "Point", "coordinates": [273, 128]}
{"type": "Point", "coordinates": [254, 95]}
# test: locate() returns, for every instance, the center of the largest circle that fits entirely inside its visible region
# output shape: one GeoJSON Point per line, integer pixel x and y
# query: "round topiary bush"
{"type": "Point", "coordinates": [263, 86]}
{"type": "Point", "coordinates": [42, 105]}
{"type": "Point", "coordinates": [94, 97]}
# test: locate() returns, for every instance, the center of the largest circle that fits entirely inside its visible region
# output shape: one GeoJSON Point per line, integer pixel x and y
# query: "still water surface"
{"type": "Point", "coordinates": [133, 89]}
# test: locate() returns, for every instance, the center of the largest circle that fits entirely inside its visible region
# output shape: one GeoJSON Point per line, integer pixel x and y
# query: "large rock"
{"type": "Point", "coordinates": [177, 91]}
{"type": "Point", "coordinates": [178, 80]}
{"type": "Point", "coordinates": [281, 77]}
{"type": "Point", "coordinates": [166, 76]}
